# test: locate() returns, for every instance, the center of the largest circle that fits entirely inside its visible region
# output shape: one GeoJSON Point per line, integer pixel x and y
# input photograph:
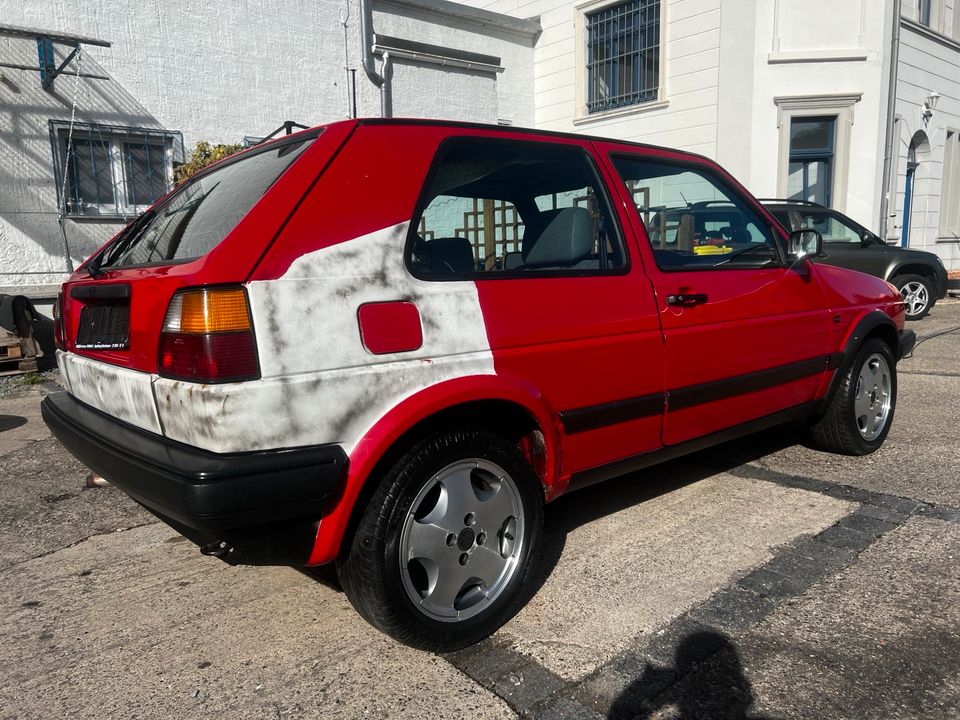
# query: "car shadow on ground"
{"type": "Point", "coordinates": [705, 681]}
{"type": "Point", "coordinates": [572, 511]}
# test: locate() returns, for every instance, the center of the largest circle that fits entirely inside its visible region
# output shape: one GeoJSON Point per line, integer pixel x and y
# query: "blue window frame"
{"type": "Point", "coordinates": [623, 55]}
{"type": "Point", "coordinates": [812, 141]}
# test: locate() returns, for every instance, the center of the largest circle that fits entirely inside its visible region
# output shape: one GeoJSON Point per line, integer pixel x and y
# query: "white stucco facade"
{"type": "Point", "coordinates": [222, 73]}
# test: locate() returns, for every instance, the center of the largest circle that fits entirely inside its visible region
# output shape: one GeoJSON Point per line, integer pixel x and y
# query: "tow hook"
{"type": "Point", "coordinates": [216, 549]}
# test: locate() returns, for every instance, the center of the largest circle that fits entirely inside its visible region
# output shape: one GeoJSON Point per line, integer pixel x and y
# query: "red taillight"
{"type": "Point", "coordinates": [58, 324]}
{"type": "Point", "coordinates": [208, 337]}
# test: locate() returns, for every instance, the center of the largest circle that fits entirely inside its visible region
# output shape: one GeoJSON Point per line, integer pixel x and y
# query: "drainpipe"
{"type": "Point", "coordinates": [386, 92]}
{"type": "Point", "coordinates": [369, 64]}
{"type": "Point", "coordinates": [888, 169]}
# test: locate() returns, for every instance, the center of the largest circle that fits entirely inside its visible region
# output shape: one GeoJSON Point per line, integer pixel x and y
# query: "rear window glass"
{"type": "Point", "coordinates": [196, 218]}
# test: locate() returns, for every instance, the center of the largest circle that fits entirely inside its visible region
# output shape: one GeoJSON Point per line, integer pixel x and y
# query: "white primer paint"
{"type": "Point", "coordinates": [123, 393]}
{"type": "Point", "coordinates": [319, 384]}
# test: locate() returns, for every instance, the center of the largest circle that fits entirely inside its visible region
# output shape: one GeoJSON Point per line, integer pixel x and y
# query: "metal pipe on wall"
{"type": "Point", "coordinates": [369, 63]}
{"type": "Point", "coordinates": [888, 169]}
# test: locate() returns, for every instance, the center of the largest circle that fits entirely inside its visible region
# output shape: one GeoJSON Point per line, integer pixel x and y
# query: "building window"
{"type": "Point", "coordinates": [923, 12]}
{"type": "Point", "coordinates": [810, 175]}
{"type": "Point", "coordinates": [950, 188]}
{"type": "Point", "coordinates": [623, 55]}
{"type": "Point", "coordinates": [107, 171]}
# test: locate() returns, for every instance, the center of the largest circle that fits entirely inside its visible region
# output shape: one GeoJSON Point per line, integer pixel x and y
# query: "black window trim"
{"type": "Point", "coordinates": [706, 169]}
{"type": "Point", "coordinates": [423, 202]}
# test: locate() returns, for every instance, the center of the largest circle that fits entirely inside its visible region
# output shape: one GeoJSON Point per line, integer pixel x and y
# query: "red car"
{"type": "Point", "coordinates": [387, 343]}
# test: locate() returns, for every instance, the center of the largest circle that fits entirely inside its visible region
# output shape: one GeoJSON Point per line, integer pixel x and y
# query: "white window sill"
{"type": "Point", "coordinates": [588, 118]}
{"type": "Point", "coordinates": [815, 56]}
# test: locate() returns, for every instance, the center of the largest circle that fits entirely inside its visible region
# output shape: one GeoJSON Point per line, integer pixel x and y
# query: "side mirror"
{"type": "Point", "coordinates": [867, 238]}
{"type": "Point", "coordinates": [806, 243]}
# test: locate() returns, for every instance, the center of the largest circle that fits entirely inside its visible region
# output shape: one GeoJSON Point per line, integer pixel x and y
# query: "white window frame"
{"type": "Point", "coordinates": [581, 113]}
{"type": "Point", "coordinates": [950, 187]}
{"type": "Point", "coordinates": [839, 106]}
{"type": "Point", "coordinates": [113, 137]}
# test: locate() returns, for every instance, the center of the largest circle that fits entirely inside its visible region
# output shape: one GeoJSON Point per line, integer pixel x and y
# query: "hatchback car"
{"type": "Point", "coordinates": [387, 344]}
{"type": "Point", "coordinates": [919, 276]}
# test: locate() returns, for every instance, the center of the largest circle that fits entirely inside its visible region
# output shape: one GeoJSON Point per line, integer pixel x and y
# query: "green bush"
{"type": "Point", "coordinates": [202, 155]}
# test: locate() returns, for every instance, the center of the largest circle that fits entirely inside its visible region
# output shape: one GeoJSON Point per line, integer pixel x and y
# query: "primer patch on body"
{"type": "Point", "coordinates": [319, 384]}
{"type": "Point", "coordinates": [123, 393]}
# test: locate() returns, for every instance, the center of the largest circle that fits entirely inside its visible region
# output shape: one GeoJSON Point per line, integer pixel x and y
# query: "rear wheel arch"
{"type": "Point", "coordinates": [509, 418]}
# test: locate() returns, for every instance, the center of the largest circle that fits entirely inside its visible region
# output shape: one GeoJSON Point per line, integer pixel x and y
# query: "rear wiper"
{"type": "Point", "coordinates": [130, 234]}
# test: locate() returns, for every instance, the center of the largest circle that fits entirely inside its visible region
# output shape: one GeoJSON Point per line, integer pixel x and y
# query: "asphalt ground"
{"type": "Point", "coordinates": [758, 579]}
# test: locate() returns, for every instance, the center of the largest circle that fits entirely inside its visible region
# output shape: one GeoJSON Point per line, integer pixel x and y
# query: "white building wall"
{"type": "Point", "coordinates": [928, 63]}
{"type": "Point", "coordinates": [809, 48]}
{"type": "Point", "coordinates": [686, 115]}
{"type": "Point", "coordinates": [219, 73]}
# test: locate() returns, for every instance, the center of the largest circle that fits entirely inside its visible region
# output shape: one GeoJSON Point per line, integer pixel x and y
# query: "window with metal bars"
{"type": "Point", "coordinates": [623, 55]}
{"type": "Point", "coordinates": [110, 171]}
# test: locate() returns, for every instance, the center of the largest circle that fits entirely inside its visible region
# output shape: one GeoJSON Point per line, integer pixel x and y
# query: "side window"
{"type": "Point", "coordinates": [830, 227]}
{"type": "Point", "coordinates": [693, 220]}
{"type": "Point", "coordinates": [495, 208]}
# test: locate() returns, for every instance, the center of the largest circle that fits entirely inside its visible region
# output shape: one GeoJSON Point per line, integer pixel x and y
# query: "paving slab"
{"type": "Point", "coordinates": [879, 640]}
{"type": "Point", "coordinates": [636, 568]}
{"type": "Point", "coordinates": [139, 624]}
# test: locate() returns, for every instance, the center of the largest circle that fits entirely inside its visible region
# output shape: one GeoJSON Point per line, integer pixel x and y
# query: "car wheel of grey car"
{"type": "Point", "coordinates": [917, 297]}
{"type": "Point", "coordinates": [861, 410]}
{"type": "Point", "coordinates": [445, 544]}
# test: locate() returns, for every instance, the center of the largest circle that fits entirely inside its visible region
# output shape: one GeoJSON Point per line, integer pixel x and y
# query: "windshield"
{"type": "Point", "coordinates": [197, 217]}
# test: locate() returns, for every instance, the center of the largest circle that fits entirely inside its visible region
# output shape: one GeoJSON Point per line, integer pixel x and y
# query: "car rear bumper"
{"type": "Point", "coordinates": [259, 507]}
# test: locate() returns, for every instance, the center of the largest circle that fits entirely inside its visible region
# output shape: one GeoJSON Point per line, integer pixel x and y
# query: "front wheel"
{"type": "Point", "coordinates": [917, 296]}
{"type": "Point", "coordinates": [861, 410]}
{"type": "Point", "coordinates": [445, 545]}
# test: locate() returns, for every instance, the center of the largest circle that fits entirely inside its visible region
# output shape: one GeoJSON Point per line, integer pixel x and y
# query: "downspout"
{"type": "Point", "coordinates": [386, 92]}
{"type": "Point", "coordinates": [885, 198]}
{"type": "Point", "coordinates": [369, 64]}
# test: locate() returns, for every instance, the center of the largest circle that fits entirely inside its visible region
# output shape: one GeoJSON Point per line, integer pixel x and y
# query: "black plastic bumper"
{"type": "Point", "coordinates": [908, 338]}
{"type": "Point", "coordinates": [214, 494]}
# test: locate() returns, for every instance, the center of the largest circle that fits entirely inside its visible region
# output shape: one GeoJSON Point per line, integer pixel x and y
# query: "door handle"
{"type": "Point", "coordinates": [687, 299]}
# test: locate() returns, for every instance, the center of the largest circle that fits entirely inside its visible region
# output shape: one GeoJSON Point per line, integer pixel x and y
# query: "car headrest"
{"type": "Point", "coordinates": [565, 239]}
{"type": "Point", "coordinates": [448, 255]}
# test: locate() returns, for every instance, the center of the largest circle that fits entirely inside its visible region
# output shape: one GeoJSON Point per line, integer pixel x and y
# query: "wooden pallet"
{"type": "Point", "coordinates": [18, 367]}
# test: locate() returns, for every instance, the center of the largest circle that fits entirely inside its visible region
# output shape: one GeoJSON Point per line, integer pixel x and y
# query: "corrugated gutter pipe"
{"type": "Point", "coordinates": [885, 198]}
{"type": "Point", "coordinates": [369, 64]}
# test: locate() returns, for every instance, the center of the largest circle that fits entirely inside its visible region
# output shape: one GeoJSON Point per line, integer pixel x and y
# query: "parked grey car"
{"type": "Point", "coordinates": [920, 276]}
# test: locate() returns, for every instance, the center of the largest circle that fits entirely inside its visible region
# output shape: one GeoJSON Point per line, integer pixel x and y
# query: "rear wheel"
{"type": "Point", "coordinates": [445, 545]}
{"type": "Point", "coordinates": [917, 295]}
{"type": "Point", "coordinates": [861, 411]}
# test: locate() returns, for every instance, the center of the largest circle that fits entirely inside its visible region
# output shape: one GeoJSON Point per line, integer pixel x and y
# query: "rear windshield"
{"type": "Point", "coordinates": [197, 217]}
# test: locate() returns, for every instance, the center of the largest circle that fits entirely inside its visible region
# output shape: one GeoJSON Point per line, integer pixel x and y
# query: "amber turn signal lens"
{"type": "Point", "coordinates": [212, 310]}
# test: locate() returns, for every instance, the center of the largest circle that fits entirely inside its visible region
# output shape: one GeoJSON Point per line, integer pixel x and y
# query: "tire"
{"type": "Point", "coordinates": [917, 295]}
{"type": "Point", "coordinates": [466, 511]}
{"type": "Point", "coordinates": [861, 410]}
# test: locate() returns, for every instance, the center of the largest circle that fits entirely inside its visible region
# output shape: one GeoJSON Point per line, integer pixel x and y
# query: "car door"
{"type": "Point", "coordinates": [531, 224]}
{"type": "Point", "coordinates": [747, 334]}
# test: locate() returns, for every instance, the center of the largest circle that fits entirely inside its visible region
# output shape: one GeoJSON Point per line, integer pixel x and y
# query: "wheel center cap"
{"type": "Point", "coordinates": [465, 539]}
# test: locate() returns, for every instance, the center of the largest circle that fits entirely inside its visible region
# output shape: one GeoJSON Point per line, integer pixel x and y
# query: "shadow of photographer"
{"type": "Point", "coordinates": [706, 682]}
